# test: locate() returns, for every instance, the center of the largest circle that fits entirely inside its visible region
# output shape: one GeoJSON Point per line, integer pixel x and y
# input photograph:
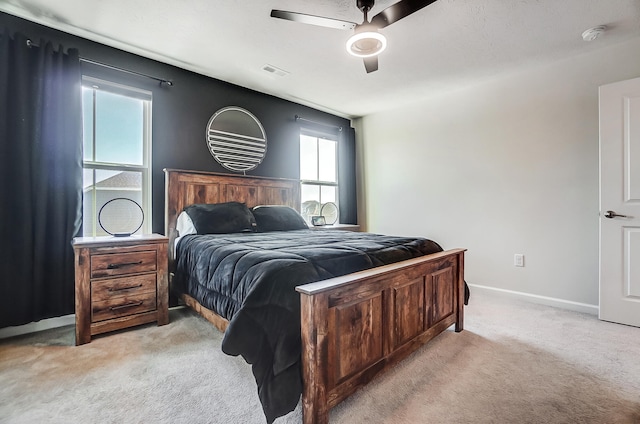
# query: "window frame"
{"type": "Point", "coordinates": [318, 135]}
{"type": "Point", "coordinates": [145, 168]}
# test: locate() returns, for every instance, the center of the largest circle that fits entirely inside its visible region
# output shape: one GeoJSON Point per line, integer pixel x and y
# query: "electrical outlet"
{"type": "Point", "coordinates": [518, 259]}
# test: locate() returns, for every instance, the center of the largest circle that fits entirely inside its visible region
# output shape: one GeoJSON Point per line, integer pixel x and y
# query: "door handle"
{"type": "Point", "coordinates": [612, 214]}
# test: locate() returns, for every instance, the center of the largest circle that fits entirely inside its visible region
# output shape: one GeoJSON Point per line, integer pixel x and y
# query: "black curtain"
{"type": "Point", "coordinates": [347, 170]}
{"type": "Point", "coordinates": [41, 187]}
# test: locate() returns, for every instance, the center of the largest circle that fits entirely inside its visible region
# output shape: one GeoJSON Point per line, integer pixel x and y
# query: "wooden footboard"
{"type": "Point", "coordinates": [357, 325]}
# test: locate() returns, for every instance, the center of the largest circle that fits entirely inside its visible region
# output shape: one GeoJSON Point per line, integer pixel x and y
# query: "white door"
{"type": "Point", "coordinates": [620, 202]}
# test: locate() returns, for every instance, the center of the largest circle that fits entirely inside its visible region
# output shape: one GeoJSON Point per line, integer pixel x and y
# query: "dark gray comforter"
{"type": "Point", "coordinates": [250, 279]}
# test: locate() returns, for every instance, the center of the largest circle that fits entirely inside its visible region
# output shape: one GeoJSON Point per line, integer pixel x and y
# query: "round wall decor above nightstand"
{"type": "Point", "coordinates": [236, 139]}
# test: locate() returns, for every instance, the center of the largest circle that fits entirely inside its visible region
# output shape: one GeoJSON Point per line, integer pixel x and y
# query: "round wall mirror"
{"type": "Point", "coordinates": [236, 139]}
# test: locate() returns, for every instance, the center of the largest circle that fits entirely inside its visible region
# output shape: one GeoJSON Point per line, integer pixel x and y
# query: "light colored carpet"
{"type": "Point", "coordinates": [515, 362]}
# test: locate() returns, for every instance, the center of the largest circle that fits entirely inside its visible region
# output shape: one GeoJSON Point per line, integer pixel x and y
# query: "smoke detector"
{"type": "Point", "coordinates": [593, 33]}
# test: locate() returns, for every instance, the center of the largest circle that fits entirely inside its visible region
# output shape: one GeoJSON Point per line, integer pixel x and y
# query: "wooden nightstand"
{"type": "Point", "coordinates": [120, 282]}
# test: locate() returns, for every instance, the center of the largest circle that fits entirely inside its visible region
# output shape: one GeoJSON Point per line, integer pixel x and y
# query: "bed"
{"type": "Point", "coordinates": [351, 326]}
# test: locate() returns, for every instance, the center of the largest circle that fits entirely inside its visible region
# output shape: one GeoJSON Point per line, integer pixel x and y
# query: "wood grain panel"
{"type": "Point", "coordinates": [200, 193]}
{"type": "Point", "coordinates": [243, 193]}
{"type": "Point", "coordinates": [122, 286]}
{"type": "Point", "coordinates": [357, 331]}
{"type": "Point", "coordinates": [123, 306]}
{"type": "Point", "coordinates": [162, 285]}
{"type": "Point", "coordinates": [215, 319]}
{"type": "Point", "coordinates": [82, 295]}
{"type": "Point", "coordinates": [444, 295]}
{"type": "Point", "coordinates": [315, 358]}
{"type": "Point", "coordinates": [408, 311]}
{"type": "Point", "coordinates": [122, 322]}
{"type": "Point", "coordinates": [123, 263]}
{"type": "Point", "coordinates": [281, 196]}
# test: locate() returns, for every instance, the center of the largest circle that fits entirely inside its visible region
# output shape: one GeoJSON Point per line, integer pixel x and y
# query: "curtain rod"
{"type": "Point", "coordinates": [104, 65]}
{"type": "Point", "coordinates": [300, 118]}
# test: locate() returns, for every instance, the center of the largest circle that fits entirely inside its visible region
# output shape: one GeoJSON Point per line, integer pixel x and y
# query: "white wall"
{"type": "Point", "coordinates": [504, 167]}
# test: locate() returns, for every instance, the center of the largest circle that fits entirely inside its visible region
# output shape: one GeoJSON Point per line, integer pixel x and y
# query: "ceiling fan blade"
{"type": "Point", "coordinates": [397, 11]}
{"type": "Point", "coordinates": [371, 64]}
{"type": "Point", "coordinates": [312, 20]}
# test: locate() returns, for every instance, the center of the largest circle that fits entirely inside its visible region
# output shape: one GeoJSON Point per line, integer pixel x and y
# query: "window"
{"type": "Point", "coordinates": [318, 172]}
{"type": "Point", "coordinates": [117, 151]}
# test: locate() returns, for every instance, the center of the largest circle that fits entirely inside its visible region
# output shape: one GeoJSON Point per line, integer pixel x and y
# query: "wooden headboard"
{"type": "Point", "coordinates": [184, 188]}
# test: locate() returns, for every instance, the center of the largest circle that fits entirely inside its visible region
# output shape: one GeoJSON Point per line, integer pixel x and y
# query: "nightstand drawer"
{"type": "Point", "coordinates": [122, 286]}
{"type": "Point", "coordinates": [123, 306]}
{"type": "Point", "coordinates": [123, 263]}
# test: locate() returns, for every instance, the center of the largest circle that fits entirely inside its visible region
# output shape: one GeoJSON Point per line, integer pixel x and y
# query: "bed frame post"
{"type": "Point", "coordinates": [460, 300]}
{"type": "Point", "coordinates": [314, 325]}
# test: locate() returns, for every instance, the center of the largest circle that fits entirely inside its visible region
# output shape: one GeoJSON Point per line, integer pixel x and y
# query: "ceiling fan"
{"type": "Point", "coordinates": [366, 42]}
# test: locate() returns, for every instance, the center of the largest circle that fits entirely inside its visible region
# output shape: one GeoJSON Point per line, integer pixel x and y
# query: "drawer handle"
{"type": "Point", "coordinates": [128, 305]}
{"type": "Point", "coordinates": [112, 289]}
{"type": "Point", "coordinates": [122, 265]}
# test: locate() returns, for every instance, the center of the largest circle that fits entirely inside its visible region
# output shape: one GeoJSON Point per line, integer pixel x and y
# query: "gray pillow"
{"type": "Point", "coordinates": [278, 218]}
{"type": "Point", "coordinates": [221, 218]}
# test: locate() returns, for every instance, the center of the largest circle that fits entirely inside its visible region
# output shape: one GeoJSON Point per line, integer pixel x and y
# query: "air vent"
{"type": "Point", "coordinates": [275, 70]}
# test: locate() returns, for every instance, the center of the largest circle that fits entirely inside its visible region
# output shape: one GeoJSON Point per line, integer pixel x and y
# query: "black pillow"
{"type": "Point", "coordinates": [221, 218]}
{"type": "Point", "coordinates": [278, 218]}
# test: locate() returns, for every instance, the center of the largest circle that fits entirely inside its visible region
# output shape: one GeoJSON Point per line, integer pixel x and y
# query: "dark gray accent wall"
{"type": "Point", "coordinates": [181, 113]}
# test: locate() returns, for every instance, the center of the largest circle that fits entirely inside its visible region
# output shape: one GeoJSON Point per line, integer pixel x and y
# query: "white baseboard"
{"type": "Point", "coordinates": [543, 300]}
{"type": "Point", "coordinates": [33, 327]}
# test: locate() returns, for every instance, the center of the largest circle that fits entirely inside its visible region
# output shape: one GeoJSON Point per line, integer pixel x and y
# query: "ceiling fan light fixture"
{"type": "Point", "coordinates": [593, 33]}
{"type": "Point", "coordinates": [366, 43]}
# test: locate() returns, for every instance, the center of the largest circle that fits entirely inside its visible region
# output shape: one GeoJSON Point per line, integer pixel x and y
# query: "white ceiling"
{"type": "Point", "coordinates": [447, 45]}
